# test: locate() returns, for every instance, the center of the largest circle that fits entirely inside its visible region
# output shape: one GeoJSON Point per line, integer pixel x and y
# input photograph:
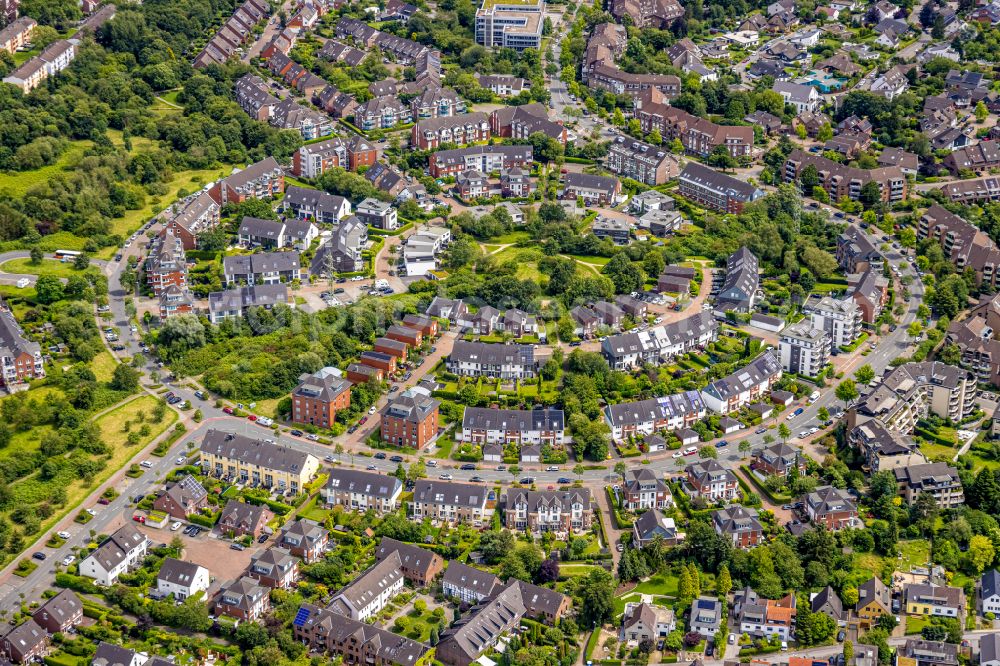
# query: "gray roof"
{"type": "Point", "coordinates": [260, 262]}
{"type": "Point", "coordinates": [989, 647]}
{"type": "Point", "coordinates": [109, 654]}
{"type": "Point", "coordinates": [412, 406]}
{"type": "Point", "coordinates": [253, 451]}
{"type": "Point", "coordinates": [933, 474]}
{"type": "Point", "coordinates": [492, 354]}
{"type": "Point", "coordinates": [62, 607]}
{"type": "Point", "coordinates": [242, 515]}
{"type": "Point", "coordinates": [260, 295]}
{"type": "Point", "coordinates": [536, 499]}
{"type": "Point", "coordinates": [450, 493]}
{"type": "Point", "coordinates": [828, 599]}
{"type": "Point", "coordinates": [485, 622]}
{"type": "Point", "coordinates": [654, 409]}
{"type": "Point", "coordinates": [483, 418]}
{"type": "Point", "coordinates": [683, 331]}
{"type": "Point", "coordinates": [26, 636]}
{"type": "Point", "coordinates": [243, 593]}
{"type": "Point", "coordinates": [412, 557]}
{"type": "Point", "coordinates": [827, 499]}
{"type": "Point", "coordinates": [370, 584]}
{"type": "Point", "coordinates": [589, 181]}
{"type": "Point", "coordinates": [990, 583]}
{"type": "Point", "coordinates": [177, 572]}
{"type": "Point", "coordinates": [710, 471]}
{"type": "Point", "coordinates": [388, 647]}
{"type": "Point", "coordinates": [736, 519]}
{"type": "Point", "coordinates": [742, 278]}
{"type": "Point", "coordinates": [255, 226]}
{"type": "Point", "coordinates": [733, 188]}
{"type": "Point", "coordinates": [301, 530]}
{"type": "Point", "coordinates": [12, 340]}
{"type": "Point", "coordinates": [371, 484]}
{"type": "Point", "coordinates": [756, 372]}
{"type": "Point", "coordinates": [469, 578]}
{"type": "Point", "coordinates": [651, 523]}
{"type": "Point", "coordinates": [309, 198]}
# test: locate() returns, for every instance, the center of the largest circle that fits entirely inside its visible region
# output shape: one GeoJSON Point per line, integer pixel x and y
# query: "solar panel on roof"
{"type": "Point", "coordinates": [300, 617]}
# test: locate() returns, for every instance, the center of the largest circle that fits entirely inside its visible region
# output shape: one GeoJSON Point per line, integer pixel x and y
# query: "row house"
{"type": "Point", "coordinates": [468, 128]}
{"type": "Point", "coordinates": [451, 502]}
{"type": "Point", "coordinates": [190, 218]}
{"type": "Point", "coordinates": [643, 490]}
{"type": "Point", "coordinates": [973, 190]}
{"type": "Point", "coordinates": [277, 234]}
{"type": "Point", "coordinates": [233, 35]}
{"type": "Point", "coordinates": [244, 460]}
{"type": "Point", "coordinates": [262, 179]}
{"type": "Point", "coordinates": [487, 159]}
{"type": "Point", "coordinates": [371, 591]}
{"type": "Point", "coordinates": [305, 539]}
{"type": "Point", "coordinates": [710, 480]}
{"type": "Point", "coordinates": [124, 550]}
{"type": "Point", "coordinates": [660, 343]}
{"type": "Point", "coordinates": [610, 77]}
{"type": "Point", "coordinates": [261, 268]}
{"type": "Point", "coordinates": [274, 568]}
{"type": "Point", "coordinates": [716, 190]}
{"type": "Point", "coordinates": [318, 397]}
{"type": "Point", "coordinates": [175, 301]}
{"type": "Point", "coordinates": [933, 600]}
{"type": "Point", "coordinates": [537, 512]}
{"type": "Point", "coordinates": [600, 190]}
{"type": "Point", "coordinates": [520, 122]}
{"type": "Point", "coordinates": [841, 181]}
{"type": "Point", "coordinates": [699, 136]}
{"type": "Point", "coordinates": [747, 385]}
{"type": "Point", "coordinates": [362, 491]}
{"type": "Point", "coordinates": [764, 618]}
{"type": "Point", "coordinates": [243, 519]}
{"type": "Point", "coordinates": [307, 204]}
{"type": "Point", "coordinates": [60, 614]}
{"type": "Point", "coordinates": [513, 426]}
{"type": "Point", "coordinates": [483, 359]}
{"type": "Point", "coordinates": [418, 565]}
{"type": "Point", "coordinates": [334, 51]}
{"type": "Point", "coordinates": [411, 419]}
{"type": "Point", "coordinates": [242, 301]}
{"type": "Point", "coordinates": [166, 264]}
{"type": "Point", "coordinates": [645, 417]}
{"type": "Point", "coordinates": [980, 157]}
{"type": "Point", "coordinates": [355, 642]}
{"type": "Point", "coordinates": [255, 98]}
{"type": "Point", "coordinates": [20, 359]}
{"type": "Point", "coordinates": [468, 584]}
{"type": "Point", "coordinates": [27, 642]}
{"type": "Point", "coordinates": [640, 161]}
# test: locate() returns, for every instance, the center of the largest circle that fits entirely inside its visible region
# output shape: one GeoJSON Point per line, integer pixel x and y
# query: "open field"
{"type": "Point", "coordinates": [104, 365]}
{"type": "Point", "coordinates": [112, 427]}
{"type": "Point", "coordinates": [19, 182]}
{"type": "Point", "coordinates": [46, 267]}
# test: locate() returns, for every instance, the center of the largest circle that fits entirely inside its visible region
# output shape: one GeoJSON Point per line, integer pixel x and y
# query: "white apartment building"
{"type": "Point", "coordinates": [513, 426]}
{"type": "Point", "coordinates": [840, 319]}
{"type": "Point", "coordinates": [804, 350]}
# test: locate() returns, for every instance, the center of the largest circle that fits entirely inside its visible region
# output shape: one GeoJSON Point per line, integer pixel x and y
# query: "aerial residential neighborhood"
{"type": "Point", "coordinates": [511, 332]}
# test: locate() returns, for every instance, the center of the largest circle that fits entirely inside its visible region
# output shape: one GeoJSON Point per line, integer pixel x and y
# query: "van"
{"type": "Point", "coordinates": [813, 397]}
{"type": "Point", "coordinates": [784, 646]}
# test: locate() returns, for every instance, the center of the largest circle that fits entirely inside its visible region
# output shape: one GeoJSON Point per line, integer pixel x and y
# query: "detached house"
{"type": "Point", "coordinates": [988, 593]}
{"type": "Point", "coordinates": [764, 618]}
{"type": "Point", "coordinates": [778, 460]}
{"type": "Point", "coordinates": [241, 518]}
{"type": "Point", "coordinates": [874, 601]}
{"type": "Point", "coordinates": [739, 524]}
{"type": "Point", "coordinates": [935, 600]}
{"type": "Point", "coordinates": [643, 489]}
{"type": "Point", "coordinates": [243, 600]}
{"type": "Point", "coordinates": [831, 507]}
{"type": "Point", "coordinates": [181, 579]}
{"type": "Point", "coordinates": [709, 479]}
{"type": "Point", "coordinates": [305, 539]}
{"type": "Point", "coordinates": [536, 512]}
{"type": "Point", "coordinates": [644, 621]}
{"type": "Point", "coordinates": [275, 568]}
{"type": "Point", "coordinates": [122, 551]}
{"type": "Point", "coordinates": [25, 643]}
{"type": "Point", "coordinates": [182, 498]}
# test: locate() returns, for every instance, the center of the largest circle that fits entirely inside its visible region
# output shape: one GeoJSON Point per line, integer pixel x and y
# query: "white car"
{"type": "Point", "coordinates": [446, 477]}
{"type": "Point", "coordinates": [68, 560]}
{"type": "Point", "coordinates": [176, 525]}
{"type": "Point", "coordinates": [264, 421]}
{"type": "Point", "coordinates": [63, 535]}
{"type": "Point", "coordinates": [432, 463]}
{"type": "Point", "coordinates": [91, 512]}
{"type": "Point", "coordinates": [146, 464]}
{"type": "Point", "coordinates": [676, 454]}
{"type": "Point", "coordinates": [372, 409]}
{"type": "Point", "coordinates": [180, 460]}
{"type": "Point", "coordinates": [691, 449]}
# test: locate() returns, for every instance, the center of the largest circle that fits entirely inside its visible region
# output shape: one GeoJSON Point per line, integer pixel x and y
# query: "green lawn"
{"type": "Point", "coordinates": [511, 237]}
{"type": "Point", "coordinates": [526, 260]}
{"type": "Point", "coordinates": [104, 365]}
{"type": "Point", "coordinates": [46, 267]}
{"type": "Point", "coordinates": [19, 182]}
{"type": "Point", "coordinates": [112, 426]}
{"type": "Point", "coordinates": [596, 261]}
{"type": "Point", "coordinates": [913, 554]}
{"type": "Point", "coordinates": [915, 623]}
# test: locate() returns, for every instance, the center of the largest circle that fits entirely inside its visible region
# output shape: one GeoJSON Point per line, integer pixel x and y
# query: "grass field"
{"type": "Point", "coordinates": [526, 260]}
{"type": "Point", "coordinates": [46, 267]}
{"type": "Point", "coordinates": [509, 238]}
{"type": "Point", "coordinates": [112, 427]}
{"type": "Point", "coordinates": [912, 554]}
{"type": "Point", "coordinates": [104, 365]}
{"type": "Point", "coordinates": [19, 182]}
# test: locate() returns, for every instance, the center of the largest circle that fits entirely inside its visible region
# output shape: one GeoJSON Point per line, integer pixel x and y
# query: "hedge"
{"type": "Point", "coordinates": [931, 436]}
{"type": "Point", "coordinates": [621, 522]}
{"type": "Point", "coordinates": [202, 520]}
{"type": "Point", "coordinates": [279, 508]}
{"type": "Point", "coordinates": [374, 231]}
{"type": "Point", "coordinates": [80, 584]}
{"type": "Point", "coordinates": [578, 160]}
{"type": "Point", "coordinates": [778, 499]}
{"type": "Point", "coordinates": [857, 343]}
{"type": "Point", "coordinates": [63, 659]}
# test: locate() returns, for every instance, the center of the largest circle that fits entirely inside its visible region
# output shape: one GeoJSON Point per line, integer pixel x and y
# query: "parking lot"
{"type": "Point", "coordinates": [209, 551]}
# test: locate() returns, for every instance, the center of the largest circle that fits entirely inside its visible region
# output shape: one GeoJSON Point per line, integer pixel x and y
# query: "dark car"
{"type": "Point", "coordinates": [476, 479]}
{"type": "Point", "coordinates": [396, 459]}
{"type": "Point", "coordinates": [841, 635]}
{"type": "Point", "coordinates": [200, 394]}
{"type": "Point", "coordinates": [297, 433]}
{"type": "Point", "coordinates": [237, 546]}
{"type": "Point", "coordinates": [468, 467]}
{"type": "Point", "coordinates": [575, 344]}
{"type": "Point", "coordinates": [527, 481]}
{"type": "Point", "coordinates": [39, 555]}
{"type": "Point", "coordinates": [262, 538]}
{"type": "Point", "coordinates": [563, 481]}
{"type": "Point", "coordinates": [379, 456]}
{"type": "Point", "coordinates": [352, 429]}
{"type": "Point", "coordinates": [341, 280]}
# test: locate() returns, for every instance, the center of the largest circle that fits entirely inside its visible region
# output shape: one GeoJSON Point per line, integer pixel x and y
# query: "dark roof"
{"type": "Point", "coordinates": [450, 493]}
{"type": "Point", "coordinates": [411, 557]}
{"type": "Point", "coordinates": [469, 578]}
{"type": "Point", "coordinates": [253, 451]}
{"type": "Point", "coordinates": [371, 484]}
{"type": "Point", "coordinates": [710, 178]}
{"type": "Point", "coordinates": [177, 572]}
{"type": "Point", "coordinates": [482, 418]}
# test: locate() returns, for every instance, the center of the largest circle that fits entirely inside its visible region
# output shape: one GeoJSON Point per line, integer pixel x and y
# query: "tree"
{"type": "Point", "coordinates": [809, 177]}
{"type": "Point", "coordinates": [870, 195]}
{"type": "Point", "coordinates": [494, 545]}
{"type": "Point", "coordinates": [626, 275]}
{"type": "Point", "coordinates": [783, 432]}
{"type": "Point", "coordinates": [81, 261]}
{"type": "Point", "coordinates": [685, 588]}
{"type": "Point", "coordinates": [825, 133]}
{"type": "Point", "coordinates": [723, 582]}
{"type": "Point", "coordinates": [981, 112]}
{"type": "Point", "coordinates": [125, 379]}
{"type": "Point", "coordinates": [865, 374]}
{"type": "Point", "coordinates": [36, 255]}
{"type": "Point", "coordinates": [620, 469]}
{"type": "Point", "coordinates": [48, 289]}
{"type": "Point", "coordinates": [549, 571]}
{"type": "Point", "coordinates": [980, 555]}
{"type": "Point", "coordinates": [847, 391]}
{"type": "Point", "coordinates": [849, 646]}
{"type": "Point", "coordinates": [745, 447]}
{"type": "Point", "coordinates": [823, 414]}
{"type": "Point", "coordinates": [708, 452]}
{"type": "Point", "coordinates": [180, 334]}
{"type": "Point", "coordinates": [597, 595]}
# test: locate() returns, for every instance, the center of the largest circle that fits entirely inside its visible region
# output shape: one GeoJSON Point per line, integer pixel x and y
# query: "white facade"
{"type": "Point", "coordinates": [198, 583]}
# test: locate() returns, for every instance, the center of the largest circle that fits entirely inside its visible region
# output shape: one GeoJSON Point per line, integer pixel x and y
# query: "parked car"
{"type": "Point", "coordinates": [68, 560]}
{"type": "Point", "coordinates": [379, 456]}
{"type": "Point", "coordinates": [396, 459]}
{"type": "Point", "coordinates": [237, 546]}
{"type": "Point", "coordinates": [446, 477]}
{"type": "Point", "coordinates": [262, 538]}
{"type": "Point", "coordinates": [39, 555]}
{"type": "Point", "coordinates": [104, 501]}
{"type": "Point", "coordinates": [296, 433]}
{"type": "Point", "coordinates": [63, 535]}
{"type": "Point", "coordinates": [227, 410]}
{"type": "Point", "coordinates": [468, 467]}
{"type": "Point", "coordinates": [176, 525]}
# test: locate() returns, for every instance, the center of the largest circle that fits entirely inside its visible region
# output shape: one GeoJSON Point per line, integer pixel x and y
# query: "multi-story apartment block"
{"type": "Point", "coordinates": [462, 129]}
{"type": "Point", "coordinates": [487, 159]}
{"type": "Point", "coordinates": [739, 524]}
{"type": "Point", "coordinates": [778, 460]}
{"type": "Point", "coordinates": [194, 216]}
{"type": "Point", "coordinates": [804, 349]}
{"type": "Point", "coordinates": [483, 359]}
{"type": "Point", "coordinates": [839, 319]}
{"type": "Point", "coordinates": [939, 479]}
{"type": "Point", "coordinates": [645, 417]}
{"type": "Point", "coordinates": [436, 102]}
{"type": "Point", "coordinates": [661, 343]}
{"type": "Point", "coordinates": [963, 243]}
{"type": "Point", "coordinates": [239, 302]}
{"type": "Point", "coordinates": [122, 551]}
{"type": "Point", "coordinates": [20, 359]}
{"type": "Point", "coordinates": [311, 160]}
{"type": "Point", "coordinates": [371, 591]}
{"type": "Point", "coordinates": [832, 508]}
{"type": "Point", "coordinates": [355, 642]}
{"type": "Point", "coordinates": [513, 426]}
{"type": "Point", "coordinates": [535, 512]}
{"type": "Point", "coordinates": [361, 491]}
{"type": "Point", "coordinates": [914, 390]}
{"type": "Point", "coordinates": [643, 489]}
{"type": "Point", "coordinates": [648, 13]}
{"type": "Point", "coordinates": [842, 181]}
{"type": "Point", "coordinates": [716, 190]}
{"type": "Point", "coordinates": [318, 398]}
{"type": "Point", "coordinates": [240, 458]}
{"type": "Point", "coordinates": [305, 538]}
{"type": "Point", "coordinates": [975, 336]}
{"type": "Point", "coordinates": [855, 253]}
{"type": "Point", "coordinates": [411, 419]}
{"type": "Point", "coordinates": [631, 158]}
{"type": "Point", "coordinates": [514, 25]}
{"type": "Point", "coordinates": [468, 584]}
{"type": "Point", "coordinates": [261, 179]}
{"type": "Point", "coordinates": [307, 204]}
{"type": "Point", "coordinates": [747, 385]}
{"type": "Point", "coordinates": [451, 502]}
{"type": "Point", "coordinates": [710, 480]}
{"type": "Point", "coordinates": [377, 214]}
{"type": "Point", "coordinates": [382, 113]}
{"type": "Point", "coordinates": [17, 34]}
{"type": "Point", "coordinates": [699, 136]}
{"type": "Point", "coordinates": [166, 264]}
{"type": "Point", "coordinates": [740, 290]}
{"type": "Point", "coordinates": [261, 268]}
{"type": "Point", "coordinates": [503, 85]}
{"type": "Point", "coordinates": [605, 75]}
{"type": "Point", "coordinates": [53, 59]}
{"type": "Point", "coordinates": [602, 190]}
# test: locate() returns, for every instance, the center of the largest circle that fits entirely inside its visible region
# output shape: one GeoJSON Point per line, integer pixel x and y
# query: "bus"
{"type": "Point", "coordinates": [66, 255]}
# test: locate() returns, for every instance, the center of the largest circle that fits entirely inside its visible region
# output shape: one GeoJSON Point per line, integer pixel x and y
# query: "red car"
{"type": "Point", "coordinates": [252, 417]}
{"type": "Point", "coordinates": [139, 519]}
{"type": "Point", "coordinates": [104, 500]}
{"type": "Point", "coordinates": [227, 410]}
{"type": "Point", "coordinates": [364, 419]}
